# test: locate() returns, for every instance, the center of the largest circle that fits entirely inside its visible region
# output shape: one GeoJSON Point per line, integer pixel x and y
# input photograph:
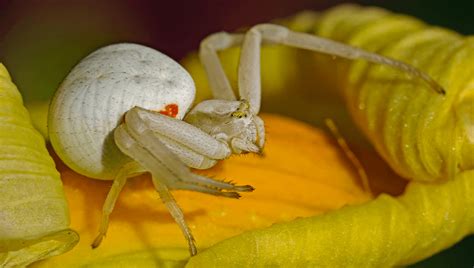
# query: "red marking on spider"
{"type": "Point", "coordinates": [170, 110]}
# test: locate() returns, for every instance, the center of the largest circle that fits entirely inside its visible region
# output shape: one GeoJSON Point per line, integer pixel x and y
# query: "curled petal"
{"type": "Point", "coordinates": [385, 232]}
{"type": "Point", "coordinates": [34, 216]}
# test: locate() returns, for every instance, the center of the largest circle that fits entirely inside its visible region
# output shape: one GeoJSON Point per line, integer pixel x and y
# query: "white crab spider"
{"type": "Point", "coordinates": [122, 111]}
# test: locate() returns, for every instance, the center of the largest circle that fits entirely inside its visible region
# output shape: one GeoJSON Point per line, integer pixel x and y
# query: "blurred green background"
{"type": "Point", "coordinates": [41, 40]}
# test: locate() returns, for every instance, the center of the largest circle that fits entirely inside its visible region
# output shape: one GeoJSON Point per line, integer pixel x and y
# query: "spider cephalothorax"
{"type": "Point", "coordinates": [231, 122]}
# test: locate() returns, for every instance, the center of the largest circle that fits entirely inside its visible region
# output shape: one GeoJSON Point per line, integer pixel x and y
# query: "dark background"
{"type": "Point", "coordinates": [40, 40]}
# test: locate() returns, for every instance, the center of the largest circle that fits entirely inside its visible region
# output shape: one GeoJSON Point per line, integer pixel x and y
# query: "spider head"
{"type": "Point", "coordinates": [231, 122]}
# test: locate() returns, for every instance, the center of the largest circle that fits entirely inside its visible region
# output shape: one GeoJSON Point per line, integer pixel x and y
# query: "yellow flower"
{"type": "Point", "coordinates": [309, 207]}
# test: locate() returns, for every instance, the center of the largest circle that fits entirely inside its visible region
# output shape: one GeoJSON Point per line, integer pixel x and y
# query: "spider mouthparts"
{"type": "Point", "coordinates": [253, 148]}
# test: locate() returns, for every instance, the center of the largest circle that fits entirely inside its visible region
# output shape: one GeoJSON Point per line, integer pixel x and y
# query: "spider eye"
{"type": "Point", "coordinates": [239, 114]}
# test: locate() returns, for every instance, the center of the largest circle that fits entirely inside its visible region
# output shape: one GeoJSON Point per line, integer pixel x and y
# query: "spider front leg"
{"type": "Point", "coordinates": [216, 76]}
{"type": "Point", "coordinates": [164, 146]}
{"type": "Point", "coordinates": [249, 66]}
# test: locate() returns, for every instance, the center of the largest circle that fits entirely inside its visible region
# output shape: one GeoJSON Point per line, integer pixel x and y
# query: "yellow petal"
{"type": "Point", "coordinates": [385, 232]}
{"type": "Point", "coordinates": [34, 216]}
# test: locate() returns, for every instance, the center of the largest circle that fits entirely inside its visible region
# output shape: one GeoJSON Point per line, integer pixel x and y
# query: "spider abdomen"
{"type": "Point", "coordinates": [95, 95]}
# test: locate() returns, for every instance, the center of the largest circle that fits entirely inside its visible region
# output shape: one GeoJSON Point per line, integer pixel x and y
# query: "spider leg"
{"type": "Point", "coordinates": [193, 146]}
{"type": "Point", "coordinates": [217, 78]}
{"type": "Point", "coordinates": [207, 190]}
{"type": "Point", "coordinates": [189, 157]}
{"type": "Point", "coordinates": [260, 130]}
{"type": "Point", "coordinates": [175, 212]}
{"type": "Point", "coordinates": [249, 66]}
{"type": "Point", "coordinates": [129, 170]}
{"type": "Point", "coordinates": [218, 185]}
